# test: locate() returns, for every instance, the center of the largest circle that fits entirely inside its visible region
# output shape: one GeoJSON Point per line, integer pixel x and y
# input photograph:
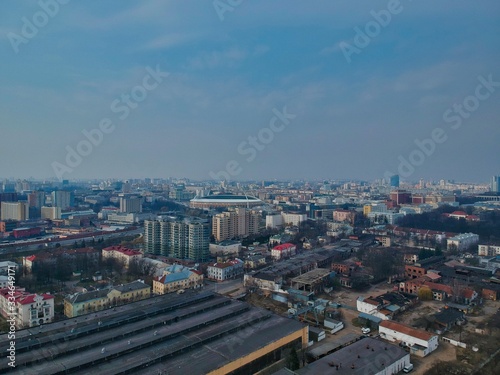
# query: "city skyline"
{"type": "Point", "coordinates": [250, 91]}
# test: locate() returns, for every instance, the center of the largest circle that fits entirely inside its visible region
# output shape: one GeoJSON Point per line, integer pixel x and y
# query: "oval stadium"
{"type": "Point", "coordinates": [224, 200]}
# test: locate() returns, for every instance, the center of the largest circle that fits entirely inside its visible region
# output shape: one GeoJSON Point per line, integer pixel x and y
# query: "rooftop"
{"type": "Point", "coordinates": [312, 276]}
{"type": "Point", "coordinates": [205, 332]}
{"type": "Point", "coordinates": [407, 330]}
{"type": "Point", "coordinates": [366, 356]}
{"type": "Point", "coordinates": [225, 197]}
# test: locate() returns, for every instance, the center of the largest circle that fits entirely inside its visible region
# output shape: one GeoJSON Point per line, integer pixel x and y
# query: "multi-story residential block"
{"type": "Point", "coordinates": [28, 309]}
{"type": "Point", "coordinates": [36, 199]}
{"type": "Point", "coordinates": [274, 221]}
{"type": "Point", "coordinates": [462, 242]}
{"type": "Point", "coordinates": [385, 217]}
{"type": "Point", "coordinates": [495, 184]}
{"type": "Point", "coordinates": [293, 218]}
{"type": "Point", "coordinates": [224, 271]}
{"type": "Point", "coordinates": [400, 196]}
{"type": "Point", "coordinates": [285, 250]}
{"type": "Point", "coordinates": [122, 254]}
{"type": "Point", "coordinates": [62, 199]}
{"type": "Point", "coordinates": [187, 238]}
{"type": "Point", "coordinates": [51, 213]}
{"type": "Point", "coordinates": [130, 204]}
{"type": "Point", "coordinates": [344, 216]}
{"type": "Point", "coordinates": [15, 211]}
{"type": "Point", "coordinates": [488, 250]}
{"type": "Point", "coordinates": [177, 277]}
{"type": "Point", "coordinates": [84, 303]}
{"type": "Point", "coordinates": [225, 247]}
{"type": "Point", "coordinates": [236, 223]}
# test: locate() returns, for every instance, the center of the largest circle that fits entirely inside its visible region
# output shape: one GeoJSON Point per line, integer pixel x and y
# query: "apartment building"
{"type": "Point", "coordinates": [182, 238]}
{"type": "Point", "coordinates": [235, 223]}
{"type": "Point", "coordinates": [28, 309]}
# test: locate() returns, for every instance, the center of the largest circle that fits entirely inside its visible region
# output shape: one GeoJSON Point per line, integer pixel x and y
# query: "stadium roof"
{"type": "Point", "coordinates": [226, 198]}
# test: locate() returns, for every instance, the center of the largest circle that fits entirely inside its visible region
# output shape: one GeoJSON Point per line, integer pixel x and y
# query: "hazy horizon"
{"type": "Point", "coordinates": [257, 91]}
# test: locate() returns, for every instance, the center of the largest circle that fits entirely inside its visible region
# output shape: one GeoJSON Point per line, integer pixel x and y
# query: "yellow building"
{"type": "Point", "coordinates": [177, 277]}
{"type": "Point", "coordinates": [367, 208]}
{"type": "Point", "coordinates": [84, 303]}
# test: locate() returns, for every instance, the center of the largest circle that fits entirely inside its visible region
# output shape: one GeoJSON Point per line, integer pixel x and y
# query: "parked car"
{"type": "Point", "coordinates": [365, 330]}
{"type": "Point", "coordinates": [408, 368]}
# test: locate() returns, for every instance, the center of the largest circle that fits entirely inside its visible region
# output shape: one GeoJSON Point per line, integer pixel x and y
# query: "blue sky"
{"type": "Point", "coordinates": [352, 119]}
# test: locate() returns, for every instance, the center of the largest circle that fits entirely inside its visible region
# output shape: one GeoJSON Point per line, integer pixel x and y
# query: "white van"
{"type": "Point", "coordinates": [408, 368]}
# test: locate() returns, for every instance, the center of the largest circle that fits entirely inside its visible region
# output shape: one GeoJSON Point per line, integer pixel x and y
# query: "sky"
{"type": "Point", "coordinates": [250, 90]}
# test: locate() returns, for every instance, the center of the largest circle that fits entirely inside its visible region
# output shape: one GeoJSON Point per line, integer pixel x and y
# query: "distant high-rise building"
{"type": "Point", "coordinates": [395, 180]}
{"type": "Point", "coordinates": [8, 197]}
{"type": "Point", "coordinates": [51, 213]}
{"type": "Point", "coordinates": [36, 199]}
{"type": "Point", "coordinates": [8, 187]}
{"type": "Point", "coordinates": [130, 204]}
{"type": "Point", "coordinates": [62, 199]}
{"type": "Point", "coordinates": [400, 196]}
{"type": "Point", "coordinates": [15, 211]}
{"type": "Point", "coordinates": [126, 187]}
{"type": "Point", "coordinates": [187, 238]}
{"type": "Point", "coordinates": [495, 184]}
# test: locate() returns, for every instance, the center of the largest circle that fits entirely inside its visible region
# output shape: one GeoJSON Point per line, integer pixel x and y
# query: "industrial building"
{"type": "Point", "coordinates": [192, 333]}
{"type": "Point", "coordinates": [313, 281]}
{"type": "Point", "coordinates": [421, 343]}
{"type": "Point", "coordinates": [366, 356]}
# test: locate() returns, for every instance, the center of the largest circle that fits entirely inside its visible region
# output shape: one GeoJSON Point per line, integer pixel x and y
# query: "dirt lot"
{"type": "Point", "coordinates": [445, 352]}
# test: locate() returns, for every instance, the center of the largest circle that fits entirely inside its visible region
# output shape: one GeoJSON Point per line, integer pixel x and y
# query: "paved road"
{"type": "Point", "coordinates": [65, 242]}
{"type": "Point", "coordinates": [223, 287]}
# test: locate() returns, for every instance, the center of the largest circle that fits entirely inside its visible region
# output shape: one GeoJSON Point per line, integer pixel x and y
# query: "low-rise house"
{"type": "Point", "coordinates": [421, 343]}
{"type": "Point", "coordinates": [440, 292]}
{"type": "Point", "coordinates": [255, 261]}
{"type": "Point", "coordinates": [263, 280]}
{"type": "Point", "coordinates": [84, 303]}
{"type": "Point", "coordinates": [177, 277]}
{"type": "Point", "coordinates": [386, 305]}
{"type": "Point", "coordinates": [226, 270]}
{"type": "Point", "coordinates": [446, 320]}
{"type": "Point", "coordinates": [27, 309]}
{"type": "Point", "coordinates": [461, 215]}
{"type": "Point", "coordinates": [490, 291]}
{"type": "Point", "coordinates": [285, 250]}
